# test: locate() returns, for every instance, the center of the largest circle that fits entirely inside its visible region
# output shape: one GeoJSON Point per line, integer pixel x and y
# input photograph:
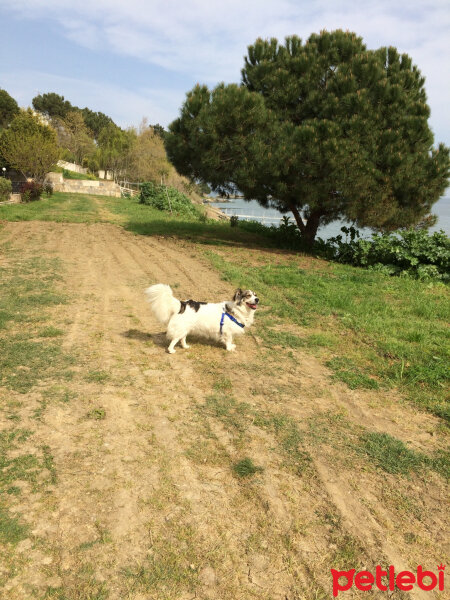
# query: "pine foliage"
{"type": "Point", "coordinates": [326, 129]}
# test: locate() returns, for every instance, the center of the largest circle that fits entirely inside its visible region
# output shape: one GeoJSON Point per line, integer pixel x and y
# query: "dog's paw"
{"type": "Point", "coordinates": [231, 347]}
{"type": "Point", "coordinates": [186, 346]}
{"type": "Point", "coordinates": [171, 351]}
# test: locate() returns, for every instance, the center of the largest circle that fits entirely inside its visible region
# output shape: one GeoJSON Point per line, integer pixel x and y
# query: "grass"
{"type": "Point", "coordinates": [388, 331]}
{"type": "Point", "coordinates": [390, 454]}
{"type": "Point", "coordinates": [27, 297]}
{"type": "Point", "coordinates": [60, 208]}
{"type": "Point", "coordinates": [11, 529]}
{"type": "Point", "coordinates": [393, 456]}
{"type": "Point", "coordinates": [97, 376]}
{"type": "Point", "coordinates": [30, 352]}
{"type": "Point", "coordinates": [74, 175]}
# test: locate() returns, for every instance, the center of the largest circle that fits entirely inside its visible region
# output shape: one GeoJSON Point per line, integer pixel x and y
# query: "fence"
{"type": "Point", "coordinates": [129, 188]}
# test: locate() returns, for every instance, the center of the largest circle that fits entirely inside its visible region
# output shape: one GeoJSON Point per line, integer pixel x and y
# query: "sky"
{"type": "Point", "coordinates": [138, 58]}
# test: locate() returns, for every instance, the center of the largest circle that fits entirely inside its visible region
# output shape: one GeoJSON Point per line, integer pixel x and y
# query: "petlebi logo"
{"type": "Point", "coordinates": [388, 579]}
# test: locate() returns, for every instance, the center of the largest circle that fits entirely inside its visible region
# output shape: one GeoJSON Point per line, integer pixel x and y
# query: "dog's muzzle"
{"type": "Point", "coordinates": [253, 306]}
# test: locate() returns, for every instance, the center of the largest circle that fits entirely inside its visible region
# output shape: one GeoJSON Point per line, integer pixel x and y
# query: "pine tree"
{"type": "Point", "coordinates": [324, 129]}
{"type": "Point", "coordinates": [52, 105]}
{"type": "Point", "coordinates": [8, 108]}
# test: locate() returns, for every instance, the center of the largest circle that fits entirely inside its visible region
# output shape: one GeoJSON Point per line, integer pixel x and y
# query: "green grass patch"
{"type": "Point", "coordinates": [50, 332]}
{"type": "Point", "coordinates": [23, 363]}
{"type": "Point", "coordinates": [27, 296]}
{"type": "Point", "coordinates": [60, 207]}
{"type": "Point", "coordinates": [390, 454]}
{"type": "Point", "coordinates": [97, 376]}
{"type": "Point", "coordinates": [11, 529]}
{"type": "Point", "coordinates": [348, 372]}
{"type": "Point", "coordinates": [74, 175]}
{"type": "Point", "coordinates": [245, 468]}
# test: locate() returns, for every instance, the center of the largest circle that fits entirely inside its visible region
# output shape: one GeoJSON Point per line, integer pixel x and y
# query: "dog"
{"type": "Point", "coordinates": [219, 321]}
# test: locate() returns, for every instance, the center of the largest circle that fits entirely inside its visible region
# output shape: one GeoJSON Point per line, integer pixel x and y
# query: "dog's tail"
{"type": "Point", "coordinates": [162, 302]}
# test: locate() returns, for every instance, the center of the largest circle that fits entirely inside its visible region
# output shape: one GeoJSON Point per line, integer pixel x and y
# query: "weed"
{"type": "Point", "coordinates": [97, 414]}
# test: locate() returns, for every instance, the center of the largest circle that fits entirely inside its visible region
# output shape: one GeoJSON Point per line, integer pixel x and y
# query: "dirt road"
{"type": "Point", "coordinates": [145, 503]}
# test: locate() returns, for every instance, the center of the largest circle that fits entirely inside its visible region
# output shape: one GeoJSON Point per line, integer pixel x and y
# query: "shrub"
{"type": "Point", "coordinates": [5, 189]}
{"type": "Point", "coordinates": [31, 191]}
{"type": "Point", "coordinates": [413, 253]}
{"type": "Point", "coordinates": [167, 199]}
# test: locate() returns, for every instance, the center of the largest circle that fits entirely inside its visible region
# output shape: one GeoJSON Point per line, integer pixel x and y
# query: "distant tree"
{"type": "Point", "coordinates": [326, 129]}
{"type": "Point", "coordinates": [114, 148]}
{"type": "Point", "coordinates": [159, 130]}
{"type": "Point", "coordinates": [148, 159]}
{"type": "Point", "coordinates": [96, 121]}
{"type": "Point", "coordinates": [29, 146]}
{"type": "Point", "coordinates": [8, 109]}
{"type": "Point", "coordinates": [52, 105]}
{"type": "Point", "coordinates": [74, 136]}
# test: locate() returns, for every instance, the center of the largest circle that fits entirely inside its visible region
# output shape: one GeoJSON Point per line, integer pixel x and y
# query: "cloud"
{"type": "Point", "coordinates": [205, 40]}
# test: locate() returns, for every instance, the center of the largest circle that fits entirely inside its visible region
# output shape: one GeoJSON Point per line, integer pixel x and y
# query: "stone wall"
{"type": "Point", "coordinates": [83, 186]}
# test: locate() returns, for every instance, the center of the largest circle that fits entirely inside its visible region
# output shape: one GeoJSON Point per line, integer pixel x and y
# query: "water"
{"type": "Point", "coordinates": [271, 216]}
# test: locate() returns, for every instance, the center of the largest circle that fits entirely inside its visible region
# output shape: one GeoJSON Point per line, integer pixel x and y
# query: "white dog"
{"type": "Point", "coordinates": [217, 321]}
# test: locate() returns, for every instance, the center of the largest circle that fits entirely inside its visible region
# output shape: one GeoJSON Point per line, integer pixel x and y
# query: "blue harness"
{"type": "Point", "coordinates": [230, 317]}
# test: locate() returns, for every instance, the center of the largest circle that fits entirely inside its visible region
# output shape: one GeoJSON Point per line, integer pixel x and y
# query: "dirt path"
{"type": "Point", "coordinates": [145, 504]}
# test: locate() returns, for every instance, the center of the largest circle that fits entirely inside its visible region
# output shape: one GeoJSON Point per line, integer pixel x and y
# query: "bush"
{"type": "Point", "coordinates": [167, 199]}
{"type": "Point", "coordinates": [413, 253]}
{"type": "Point", "coordinates": [31, 191]}
{"type": "Point", "coordinates": [5, 189]}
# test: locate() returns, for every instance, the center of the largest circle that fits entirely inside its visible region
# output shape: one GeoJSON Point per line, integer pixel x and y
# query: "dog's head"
{"type": "Point", "coordinates": [246, 298]}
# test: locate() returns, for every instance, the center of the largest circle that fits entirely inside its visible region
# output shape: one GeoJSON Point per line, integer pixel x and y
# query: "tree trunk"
{"type": "Point", "coordinates": [312, 225]}
{"type": "Point", "coordinates": [308, 229]}
{"type": "Point", "coordinates": [298, 218]}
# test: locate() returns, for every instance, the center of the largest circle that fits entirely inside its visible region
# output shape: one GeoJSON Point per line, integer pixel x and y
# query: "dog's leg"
{"type": "Point", "coordinates": [173, 343]}
{"type": "Point", "coordinates": [228, 341]}
{"type": "Point", "coordinates": [183, 343]}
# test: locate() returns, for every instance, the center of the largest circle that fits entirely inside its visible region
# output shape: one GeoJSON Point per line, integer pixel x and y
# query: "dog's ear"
{"type": "Point", "coordinates": [237, 295]}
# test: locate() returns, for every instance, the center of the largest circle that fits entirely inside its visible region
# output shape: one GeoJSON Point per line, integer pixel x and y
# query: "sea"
{"type": "Point", "coordinates": [252, 211]}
